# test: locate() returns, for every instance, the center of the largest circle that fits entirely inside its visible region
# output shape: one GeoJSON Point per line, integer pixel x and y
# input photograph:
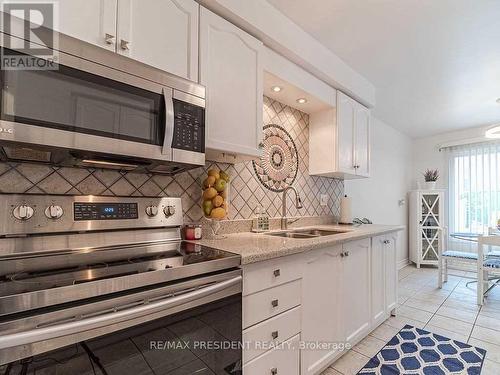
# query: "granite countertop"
{"type": "Point", "coordinates": [256, 247]}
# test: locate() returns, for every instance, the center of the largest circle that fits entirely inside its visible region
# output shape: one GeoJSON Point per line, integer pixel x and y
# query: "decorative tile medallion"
{"type": "Point", "coordinates": [278, 166]}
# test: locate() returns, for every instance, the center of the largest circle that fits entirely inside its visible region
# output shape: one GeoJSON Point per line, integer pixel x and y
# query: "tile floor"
{"type": "Point", "coordinates": [451, 312]}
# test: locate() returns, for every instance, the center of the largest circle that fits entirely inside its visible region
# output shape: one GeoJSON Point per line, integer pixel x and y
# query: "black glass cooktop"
{"type": "Point", "coordinates": [89, 265]}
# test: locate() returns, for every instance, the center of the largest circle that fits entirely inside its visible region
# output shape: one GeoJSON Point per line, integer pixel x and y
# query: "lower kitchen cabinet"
{"type": "Point", "coordinates": [378, 258]}
{"type": "Point", "coordinates": [323, 299]}
{"type": "Point", "coordinates": [391, 272]}
{"type": "Point", "coordinates": [321, 307]}
{"type": "Point", "coordinates": [356, 289]}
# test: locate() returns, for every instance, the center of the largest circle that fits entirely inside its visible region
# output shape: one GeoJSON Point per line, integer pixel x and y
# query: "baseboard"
{"type": "Point", "coordinates": [403, 263]}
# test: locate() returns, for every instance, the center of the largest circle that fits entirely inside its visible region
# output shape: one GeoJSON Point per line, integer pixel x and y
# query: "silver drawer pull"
{"type": "Point", "coordinates": [274, 371]}
{"type": "Point", "coordinates": [274, 303]}
{"type": "Point", "coordinates": [274, 335]}
{"type": "Point", "coordinates": [109, 39]}
{"type": "Point", "coordinates": [124, 45]}
{"type": "Point", "coordinates": [277, 272]}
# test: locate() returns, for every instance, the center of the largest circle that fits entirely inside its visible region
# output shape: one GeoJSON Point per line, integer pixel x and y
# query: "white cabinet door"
{"type": "Point", "coordinates": [346, 111]}
{"type": "Point", "coordinates": [391, 272]}
{"type": "Point", "coordinates": [362, 141]}
{"type": "Point", "coordinates": [377, 261]}
{"type": "Point", "coordinates": [356, 289]}
{"type": "Point", "coordinates": [230, 68]}
{"type": "Point", "coordinates": [321, 307]}
{"type": "Point", "coordinates": [93, 21]}
{"type": "Point", "coordinates": [160, 33]}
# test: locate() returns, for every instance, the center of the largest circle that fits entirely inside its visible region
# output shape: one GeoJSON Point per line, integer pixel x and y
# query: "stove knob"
{"type": "Point", "coordinates": [169, 210]}
{"type": "Point", "coordinates": [23, 212]}
{"type": "Point", "coordinates": [151, 211]}
{"type": "Point", "coordinates": [54, 211]}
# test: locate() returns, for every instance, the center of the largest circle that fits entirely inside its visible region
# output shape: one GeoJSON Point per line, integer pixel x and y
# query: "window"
{"type": "Point", "coordinates": [474, 188]}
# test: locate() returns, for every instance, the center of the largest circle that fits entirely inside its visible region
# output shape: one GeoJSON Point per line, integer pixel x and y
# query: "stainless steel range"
{"type": "Point", "coordinates": [93, 284]}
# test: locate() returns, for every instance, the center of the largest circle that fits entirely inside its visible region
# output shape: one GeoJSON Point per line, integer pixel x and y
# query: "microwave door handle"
{"type": "Point", "coordinates": [169, 122]}
{"type": "Point", "coordinates": [70, 328]}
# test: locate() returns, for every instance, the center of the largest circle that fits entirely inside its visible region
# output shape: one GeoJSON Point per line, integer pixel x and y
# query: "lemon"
{"type": "Point", "coordinates": [214, 173]}
{"type": "Point", "coordinates": [209, 193]}
{"type": "Point", "coordinates": [218, 213]}
{"type": "Point", "coordinates": [217, 201]}
{"type": "Point", "coordinates": [209, 181]}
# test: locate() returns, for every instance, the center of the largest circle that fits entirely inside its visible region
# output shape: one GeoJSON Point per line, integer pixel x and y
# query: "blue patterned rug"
{"type": "Point", "coordinates": [415, 351]}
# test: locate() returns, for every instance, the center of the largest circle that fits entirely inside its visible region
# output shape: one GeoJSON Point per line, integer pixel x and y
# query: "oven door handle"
{"type": "Point", "coordinates": [168, 97]}
{"type": "Point", "coordinates": [70, 328]}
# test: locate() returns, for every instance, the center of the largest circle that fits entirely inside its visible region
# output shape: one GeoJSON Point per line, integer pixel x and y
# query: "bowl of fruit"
{"type": "Point", "coordinates": [215, 196]}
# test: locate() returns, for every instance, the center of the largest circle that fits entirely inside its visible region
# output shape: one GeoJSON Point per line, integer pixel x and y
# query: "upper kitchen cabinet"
{"type": "Point", "coordinates": [231, 69]}
{"type": "Point", "coordinates": [160, 33]}
{"type": "Point", "coordinates": [93, 21]}
{"type": "Point", "coordinates": [339, 140]}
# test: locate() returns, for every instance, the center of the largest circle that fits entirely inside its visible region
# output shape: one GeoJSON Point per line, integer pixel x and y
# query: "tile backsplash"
{"type": "Point", "coordinates": [245, 194]}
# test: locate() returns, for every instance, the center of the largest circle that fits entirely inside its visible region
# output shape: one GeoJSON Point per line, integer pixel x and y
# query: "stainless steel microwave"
{"type": "Point", "coordinates": [99, 108]}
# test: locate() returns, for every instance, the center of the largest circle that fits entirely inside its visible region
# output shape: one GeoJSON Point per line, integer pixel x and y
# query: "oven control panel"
{"type": "Point", "coordinates": [104, 211]}
{"type": "Point", "coordinates": [22, 214]}
{"type": "Point", "coordinates": [189, 127]}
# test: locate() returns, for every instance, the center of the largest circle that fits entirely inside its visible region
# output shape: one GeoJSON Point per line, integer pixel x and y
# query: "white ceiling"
{"type": "Point", "coordinates": [435, 63]}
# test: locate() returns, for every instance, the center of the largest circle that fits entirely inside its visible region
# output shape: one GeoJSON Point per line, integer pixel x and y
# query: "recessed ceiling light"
{"type": "Point", "coordinates": [302, 100]}
{"type": "Point", "coordinates": [276, 88]}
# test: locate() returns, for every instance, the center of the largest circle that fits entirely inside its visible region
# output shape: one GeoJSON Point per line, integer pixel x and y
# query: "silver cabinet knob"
{"type": "Point", "coordinates": [124, 45]}
{"type": "Point", "coordinates": [274, 303]}
{"type": "Point", "coordinates": [169, 211]}
{"type": "Point", "coordinates": [23, 212]}
{"type": "Point", "coordinates": [109, 39]}
{"type": "Point", "coordinates": [54, 211]}
{"type": "Point", "coordinates": [152, 210]}
{"type": "Point", "coordinates": [277, 272]}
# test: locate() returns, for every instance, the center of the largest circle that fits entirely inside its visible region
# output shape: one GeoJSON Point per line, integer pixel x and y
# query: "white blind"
{"type": "Point", "coordinates": [474, 187]}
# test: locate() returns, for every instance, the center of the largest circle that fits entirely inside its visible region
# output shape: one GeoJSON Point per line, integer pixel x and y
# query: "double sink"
{"type": "Point", "coordinates": [306, 233]}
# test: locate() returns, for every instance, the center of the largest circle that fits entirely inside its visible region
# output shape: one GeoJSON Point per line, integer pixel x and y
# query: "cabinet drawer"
{"type": "Point", "coordinates": [264, 275]}
{"type": "Point", "coordinates": [279, 361]}
{"type": "Point", "coordinates": [270, 302]}
{"type": "Point", "coordinates": [266, 335]}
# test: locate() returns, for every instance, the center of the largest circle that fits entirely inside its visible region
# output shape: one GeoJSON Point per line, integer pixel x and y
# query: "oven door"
{"type": "Point", "coordinates": [193, 327]}
{"type": "Point", "coordinates": [85, 106]}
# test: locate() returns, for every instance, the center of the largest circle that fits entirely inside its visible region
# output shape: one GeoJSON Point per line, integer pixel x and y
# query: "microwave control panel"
{"type": "Point", "coordinates": [189, 127]}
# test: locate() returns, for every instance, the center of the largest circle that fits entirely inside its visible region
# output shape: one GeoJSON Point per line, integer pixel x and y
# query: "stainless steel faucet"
{"type": "Point", "coordinates": [298, 205]}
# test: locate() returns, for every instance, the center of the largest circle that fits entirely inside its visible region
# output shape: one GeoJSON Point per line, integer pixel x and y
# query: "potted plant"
{"type": "Point", "coordinates": [430, 177]}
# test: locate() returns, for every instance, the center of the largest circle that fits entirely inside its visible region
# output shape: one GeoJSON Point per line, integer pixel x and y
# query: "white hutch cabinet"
{"type": "Point", "coordinates": [427, 224]}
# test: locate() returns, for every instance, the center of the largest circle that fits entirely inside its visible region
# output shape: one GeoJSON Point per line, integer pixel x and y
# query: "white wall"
{"type": "Point", "coordinates": [391, 172]}
{"type": "Point", "coordinates": [427, 154]}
